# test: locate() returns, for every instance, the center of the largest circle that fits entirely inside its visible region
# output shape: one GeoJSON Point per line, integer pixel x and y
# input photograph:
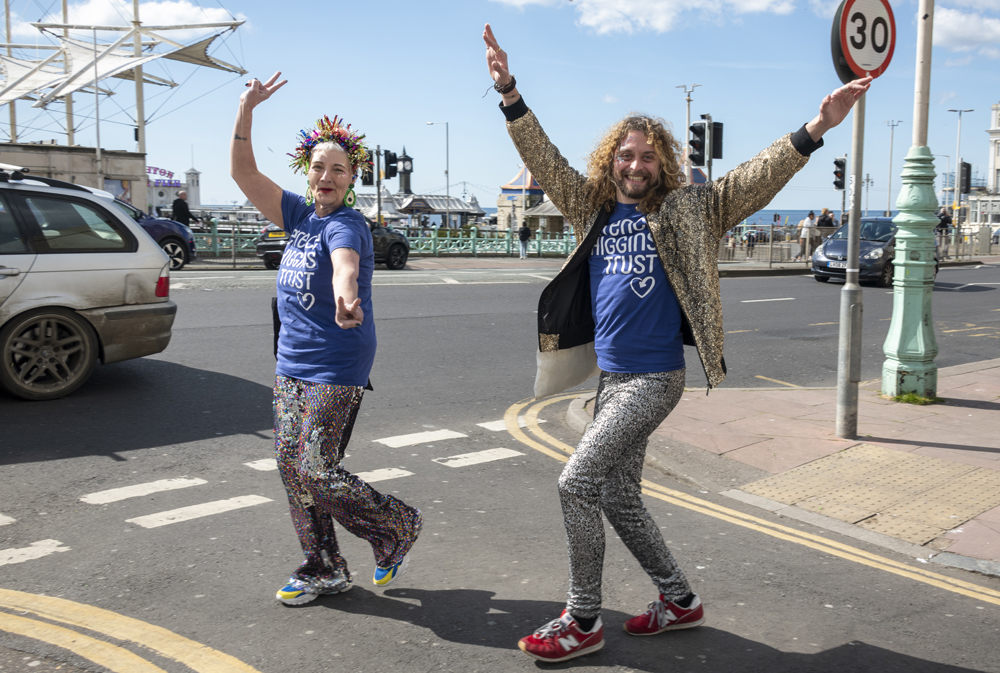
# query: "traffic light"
{"type": "Point", "coordinates": [839, 171]}
{"type": "Point", "coordinates": [698, 144]}
{"type": "Point", "coordinates": [966, 177]}
{"type": "Point", "coordinates": [368, 179]}
{"type": "Point", "coordinates": [390, 164]}
{"type": "Point", "coordinates": [716, 140]}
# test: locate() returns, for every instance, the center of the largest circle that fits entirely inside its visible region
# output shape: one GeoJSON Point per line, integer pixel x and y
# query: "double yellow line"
{"type": "Point", "coordinates": [117, 659]}
{"type": "Point", "coordinates": [552, 447]}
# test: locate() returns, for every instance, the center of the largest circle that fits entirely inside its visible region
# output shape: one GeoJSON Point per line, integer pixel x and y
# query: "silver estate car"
{"type": "Point", "coordinates": [79, 282]}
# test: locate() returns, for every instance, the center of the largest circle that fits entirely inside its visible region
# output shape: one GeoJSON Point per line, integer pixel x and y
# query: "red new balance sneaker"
{"type": "Point", "coordinates": [664, 615]}
{"type": "Point", "coordinates": [562, 639]}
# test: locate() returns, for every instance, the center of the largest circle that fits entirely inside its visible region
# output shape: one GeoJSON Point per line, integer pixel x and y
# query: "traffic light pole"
{"type": "Point", "coordinates": [708, 144]}
{"type": "Point", "coordinates": [851, 307]}
{"type": "Point", "coordinates": [378, 182]}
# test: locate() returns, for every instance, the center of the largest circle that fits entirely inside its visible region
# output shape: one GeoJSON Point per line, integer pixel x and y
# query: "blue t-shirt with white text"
{"type": "Point", "coordinates": [636, 314]}
{"type": "Point", "coordinates": [311, 346]}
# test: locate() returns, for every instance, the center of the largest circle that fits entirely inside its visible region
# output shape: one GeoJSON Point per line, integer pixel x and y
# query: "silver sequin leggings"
{"type": "Point", "coordinates": [312, 425]}
{"type": "Point", "coordinates": [604, 474]}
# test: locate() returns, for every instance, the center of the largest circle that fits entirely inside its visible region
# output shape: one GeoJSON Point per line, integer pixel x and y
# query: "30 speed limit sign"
{"type": "Point", "coordinates": [863, 38]}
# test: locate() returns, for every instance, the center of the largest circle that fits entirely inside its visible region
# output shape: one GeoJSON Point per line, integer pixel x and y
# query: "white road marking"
{"type": "Point", "coordinates": [4, 519]}
{"type": "Point", "coordinates": [466, 282]}
{"type": "Point", "coordinates": [205, 277]}
{"type": "Point", "coordinates": [754, 301]}
{"type": "Point", "coordinates": [383, 475]}
{"type": "Point", "coordinates": [34, 551]}
{"type": "Point", "coordinates": [264, 465]}
{"type": "Point", "coordinates": [487, 456]}
{"type": "Point", "coordinates": [137, 490]}
{"type": "Point", "coordinates": [197, 511]}
{"type": "Point", "coordinates": [535, 275]}
{"type": "Point", "coordinates": [419, 438]}
{"type": "Point", "coordinates": [962, 287]}
{"type": "Point", "coordinates": [450, 281]}
{"type": "Point", "coordinates": [501, 425]}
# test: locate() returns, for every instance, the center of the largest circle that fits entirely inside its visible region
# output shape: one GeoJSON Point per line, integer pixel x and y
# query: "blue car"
{"type": "Point", "coordinates": [175, 239]}
{"type": "Point", "coordinates": [877, 251]}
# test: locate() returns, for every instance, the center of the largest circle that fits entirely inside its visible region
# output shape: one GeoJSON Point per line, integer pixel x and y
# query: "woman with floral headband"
{"type": "Point", "coordinates": [326, 347]}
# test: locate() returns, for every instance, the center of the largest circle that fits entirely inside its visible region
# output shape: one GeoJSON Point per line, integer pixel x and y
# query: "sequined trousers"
{"type": "Point", "coordinates": [312, 426]}
{"type": "Point", "coordinates": [604, 475]}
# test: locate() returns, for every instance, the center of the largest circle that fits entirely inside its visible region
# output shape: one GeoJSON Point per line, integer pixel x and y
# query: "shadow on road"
{"type": "Point", "coordinates": [133, 405]}
{"type": "Point", "coordinates": [473, 617]}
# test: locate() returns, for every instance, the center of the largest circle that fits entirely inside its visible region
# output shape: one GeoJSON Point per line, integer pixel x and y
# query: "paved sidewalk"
{"type": "Point", "coordinates": [924, 480]}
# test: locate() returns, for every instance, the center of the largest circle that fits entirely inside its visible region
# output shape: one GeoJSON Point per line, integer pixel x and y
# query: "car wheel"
{"type": "Point", "coordinates": [885, 278]}
{"type": "Point", "coordinates": [47, 353]}
{"type": "Point", "coordinates": [271, 264]}
{"type": "Point", "coordinates": [396, 258]}
{"type": "Point", "coordinates": [822, 279]}
{"type": "Point", "coordinates": [176, 252]}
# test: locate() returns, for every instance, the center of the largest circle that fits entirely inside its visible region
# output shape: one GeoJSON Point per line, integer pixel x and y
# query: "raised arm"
{"type": "Point", "coordinates": [262, 192]}
{"type": "Point", "coordinates": [834, 108]}
{"type": "Point", "coordinates": [496, 63]}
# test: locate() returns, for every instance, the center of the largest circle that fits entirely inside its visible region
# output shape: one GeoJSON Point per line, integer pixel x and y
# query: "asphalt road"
{"type": "Point", "coordinates": [490, 564]}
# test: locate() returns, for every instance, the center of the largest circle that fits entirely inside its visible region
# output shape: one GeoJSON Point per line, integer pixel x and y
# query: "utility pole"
{"type": "Point", "coordinates": [888, 198]}
{"type": "Point", "coordinates": [687, 125]}
{"type": "Point", "coordinates": [13, 112]}
{"type": "Point", "coordinates": [140, 100]}
{"type": "Point", "coordinates": [70, 137]}
{"type": "Point", "coordinates": [868, 183]}
{"type": "Point", "coordinates": [910, 346]}
{"type": "Point", "coordinates": [957, 203]}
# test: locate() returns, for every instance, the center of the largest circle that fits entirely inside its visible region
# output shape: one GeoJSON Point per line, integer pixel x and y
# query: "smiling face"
{"type": "Point", "coordinates": [636, 168]}
{"type": "Point", "coordinates": [330, 176]}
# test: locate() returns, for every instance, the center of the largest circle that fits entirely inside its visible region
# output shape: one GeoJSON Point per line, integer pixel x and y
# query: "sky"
{"type": "Point", "coordinates": [389, 67]}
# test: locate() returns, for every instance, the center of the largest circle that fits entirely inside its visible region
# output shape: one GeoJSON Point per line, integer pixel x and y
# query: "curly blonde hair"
{"type": "Point", "coordinates": [601, 190]}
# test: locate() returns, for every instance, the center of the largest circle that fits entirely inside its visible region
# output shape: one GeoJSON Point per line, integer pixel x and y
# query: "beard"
{"type": "Point", "coordinates": [635, 191]}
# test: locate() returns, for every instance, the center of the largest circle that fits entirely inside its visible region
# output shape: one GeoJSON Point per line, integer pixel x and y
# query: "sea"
{"type": "Point", "coordinates": [793, 217]}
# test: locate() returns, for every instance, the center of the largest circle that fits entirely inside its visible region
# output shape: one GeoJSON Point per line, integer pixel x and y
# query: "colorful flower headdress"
{"type": "Point", "coordinates": [331, 131]}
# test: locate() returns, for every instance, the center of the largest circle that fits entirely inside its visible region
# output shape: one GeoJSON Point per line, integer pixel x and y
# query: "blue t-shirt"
{"type": "Point", "coordinates": [311, 346]}
{"type": "Point", "coordinates": [636, 314]}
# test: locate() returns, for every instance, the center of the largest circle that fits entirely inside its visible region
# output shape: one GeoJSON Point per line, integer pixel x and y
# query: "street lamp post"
{"type": "Point", "coordinates": [888, 197]}
{"type": "Point", "coordinates": [868, 184]}
{"type": "Point", "coordinates": [957, 202]}
{"type": "Point", "coordinates": [447, 178]}
{"type": "Point", "coordinates": [910, 346]}
{"type": "Point", "coordinates": [687, 148]}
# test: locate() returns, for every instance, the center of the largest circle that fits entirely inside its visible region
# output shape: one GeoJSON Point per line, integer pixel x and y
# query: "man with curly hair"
{"type": "Point", "coordinates": [642, 282]}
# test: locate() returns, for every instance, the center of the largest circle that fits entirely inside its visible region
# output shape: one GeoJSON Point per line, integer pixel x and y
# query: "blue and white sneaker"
{"type": "Point", "coordinates": [300, 591]}
{"type": "Point", "coordinates": [386, 576]}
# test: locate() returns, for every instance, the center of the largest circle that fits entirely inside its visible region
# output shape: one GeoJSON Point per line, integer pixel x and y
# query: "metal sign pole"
{"type": "Point", "coordinates": [851, 307]}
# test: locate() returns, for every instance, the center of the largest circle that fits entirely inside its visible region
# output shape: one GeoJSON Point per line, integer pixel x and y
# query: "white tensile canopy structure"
{"type": "Point", "coordinates": [85, 63]}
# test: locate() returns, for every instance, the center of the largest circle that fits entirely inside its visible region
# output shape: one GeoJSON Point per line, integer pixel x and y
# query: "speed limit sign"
{"type": "Point", "coordinates": [863, 38]}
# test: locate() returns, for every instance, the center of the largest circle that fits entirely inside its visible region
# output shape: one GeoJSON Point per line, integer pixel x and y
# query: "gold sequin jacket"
{"type": "Point", "coordinates": [686, 230]}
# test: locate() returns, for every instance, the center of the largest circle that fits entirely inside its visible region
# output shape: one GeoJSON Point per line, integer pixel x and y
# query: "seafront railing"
{"type": "Point", "coordinates": [443, 242]}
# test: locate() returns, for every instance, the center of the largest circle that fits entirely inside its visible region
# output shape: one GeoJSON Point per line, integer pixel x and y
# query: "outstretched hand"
{"type": "Point", "coordinates": [349, 316]}
{"type": "Point", "coordinates": [835, 106]}
{"type": "Point", "coordinates": [257, 92]}
{"type": "Point", "coordinates": [496, 58]}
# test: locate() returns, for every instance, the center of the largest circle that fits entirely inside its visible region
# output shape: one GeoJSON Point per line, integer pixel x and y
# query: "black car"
{"type": "Point", "coordinates": [877, 251]}
{"type": "Point", "coordinates": [173, 237]}
{"type": "Point", "coordinates": [391, 247]}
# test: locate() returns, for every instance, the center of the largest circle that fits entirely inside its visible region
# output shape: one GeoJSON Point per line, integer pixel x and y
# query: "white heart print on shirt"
{"type": "Point", "coordinates": [306, 299]}
{"type": "Point", "coordinates": [642, 290]}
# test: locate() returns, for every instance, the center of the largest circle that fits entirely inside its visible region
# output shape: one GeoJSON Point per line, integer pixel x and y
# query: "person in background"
{"type": "Point", "coordinates": [180, 211]}
{"type": "Point", "coordinates": [942, 229]}
{"type": "Point", "coordinates": [523, 236]}
{"type": "Point", "coordinates": [806, 228]}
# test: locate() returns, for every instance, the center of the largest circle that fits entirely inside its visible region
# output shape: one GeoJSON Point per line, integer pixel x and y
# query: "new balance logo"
{"type": "Point", "coordinates": [569, 642]}
{"type": "Point", "coordinates": [666, 617]}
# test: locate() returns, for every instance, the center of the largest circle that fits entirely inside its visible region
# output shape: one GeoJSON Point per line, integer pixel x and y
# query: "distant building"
{"type": "Point", "coordinates": [163, 187]}
{"type": "Point", "coordinates": [984, 206]}
{"type": "Point", "coordinates": [517, 196]}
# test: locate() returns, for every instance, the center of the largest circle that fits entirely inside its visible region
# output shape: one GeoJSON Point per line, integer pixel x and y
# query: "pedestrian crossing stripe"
{"type": "Point", "coordinates": [197, 511]}
{"type": "Point", "coordinates": [419, 438]}
{"type": "Point", "coordinates": [264, 465]}
{"type": "Point", "coordinates": [383, 474]}
{"type": "Point", "coordinates": [465, 459]}
{"type": "Point", "coordinates": [501, 425]}
{"type": "Point", "coordinates": [138, 490]}
{"type": "Point", "coordinates": [4, 519]}
{"type": "Point", "coordinates": [35, 550]}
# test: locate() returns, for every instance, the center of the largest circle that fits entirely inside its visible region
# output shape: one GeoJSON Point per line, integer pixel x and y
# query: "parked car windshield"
{"type": "Point", "coordinates": [871, 230]}
{"type": "Point", "coordinates": [132, 212]}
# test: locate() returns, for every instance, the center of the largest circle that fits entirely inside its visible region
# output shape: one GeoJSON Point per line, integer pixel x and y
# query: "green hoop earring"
{"type": "Point", "coordinates": [309, 196]}
{"type": "Point", "coordinates": [350, 198]}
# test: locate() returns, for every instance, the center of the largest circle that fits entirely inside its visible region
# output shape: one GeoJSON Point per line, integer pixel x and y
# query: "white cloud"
{"type": "Point", "coordinates": [608, 98]}
{"type": "Point", "coordinates": [967, 32]}
{"type": "Point", "coordinates": [119, 13]}
{"type": "Point", "coordinates": [628, 16]}
{"type": "Point", "coordinates": [945, 96]}
{"type": "Point", "coordinates": [825, 8]}
{"type": "Point", "coordinates": [959, 62]}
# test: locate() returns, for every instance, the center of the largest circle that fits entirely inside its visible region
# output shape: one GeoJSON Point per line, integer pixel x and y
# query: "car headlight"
{"type": "Point", "coordinates": [819, 250]}
{"type": "Point", "coordinates": [874, 254]}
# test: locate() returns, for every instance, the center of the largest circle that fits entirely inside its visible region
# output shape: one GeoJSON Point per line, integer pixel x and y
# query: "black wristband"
{"type": "Point", "coordinates": [507, 88]}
